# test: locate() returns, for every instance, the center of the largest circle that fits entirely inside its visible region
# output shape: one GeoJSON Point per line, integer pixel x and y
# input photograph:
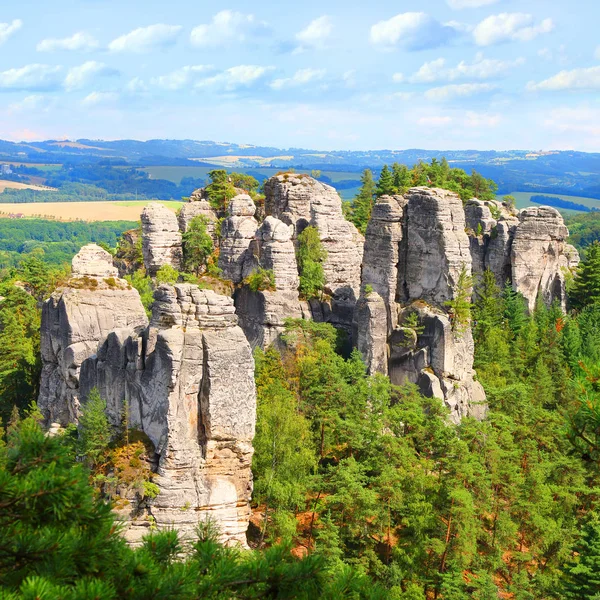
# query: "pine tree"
{"type": "Point", "coordinates": [401, 176]}
{"type": "Point", "coordinates": [310, 255]}
{"type": "Point", "coordinates": [197, 245]}
{"type": "Point", "coordinates": [460, 305]}
{"type": "Point", "coordinates": [515, 309]}
{"type": "Point", "coordinates": [586, 285]}
{"type": "Point", "coordinates": [582, 576]}
{"type": "Point", "coordinates": [488, 306]}
{"type": "Point", "coordinates": [363, 202]}
{"type": "Point", "coordinates": [94, 430]}
{"type": "Point", "coordinates": [385, 183]}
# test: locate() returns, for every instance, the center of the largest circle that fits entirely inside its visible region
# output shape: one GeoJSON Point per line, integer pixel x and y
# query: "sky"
{"type": "Point", "coordinates": [326, 75]}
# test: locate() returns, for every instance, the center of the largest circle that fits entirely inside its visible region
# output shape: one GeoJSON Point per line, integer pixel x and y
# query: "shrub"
{"type": "Point", "coordinates": [197, 245]}
{"type": "Point", "coordinates": [261, 280]}
{"type": "Point", "coordinates": [368, 289]}
{"type": "Point", "coordinates": [167, 274]}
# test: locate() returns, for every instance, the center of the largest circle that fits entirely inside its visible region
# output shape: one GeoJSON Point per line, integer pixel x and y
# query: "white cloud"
{"type": "Point", "coordinates": [576, 79]}
{"type": "Point", "coordinates": [79, 77]}
{"type": "Point", "coordinates": [459, 4]}
{"type": "Point", "coordinates": [78, 42]}
{"type": "Point", "coordinates": [100, 99]}
{"type": "Point", "coordinates": [476, 120]}
{"type": "Point", "coordinates": [144, 39]}
{"type": "Point", "coordinates": [480, 68]}
{"type": "Point", "coordinates": [35, 102]}
{"type": "Point", "coordinates": [507, 27]}
{"type": "Point", "coordinates": [236, 77]}
{"type": "Point", "coordinates": [181, 78]}
{"type": "Point", "coordinates": [300, 77]}
{"type": "Point", "coordinates": [136, 85]}
{"type": "Point", "coordinates": [578, 122]}
{"type": "Point", "coordinates": [315, 34]}
{"type": "Point", "coordinates": [461, 90]}
{"type": "Point", "coordinates": [227, 26]}
{"type": "Point", "coordinates": [7, 29]}
{"type": "Point", "coordinates": [31, 77]}
{"type": "Point", "coordinates": [398, 78]}
{"type": "Point", "coordinates": [411, 31]}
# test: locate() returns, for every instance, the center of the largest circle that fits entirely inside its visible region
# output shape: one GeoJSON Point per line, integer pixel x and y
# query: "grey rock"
{"type": "Point", "coordinates": [161, 238]}
{"type": "Point", "coordinates": [198, 207]}
{"type": "Point", "coordinates": [371, 332]}
{"type": "Point", "coordinates": [93, 261]}
{"type": "Point", "coordinates": [237, 233]}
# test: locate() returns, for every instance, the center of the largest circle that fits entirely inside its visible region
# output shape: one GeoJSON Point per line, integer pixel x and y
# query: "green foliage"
{"type": "Point", "coordinates": [167, 274]}
{"type": "Point", "coordinates": [94, 431]}
{"type": "Point", "coordinates": [585, 289]}
{"type": "Point", "coordinates": [58, 540]}
{"type": "Point", "coordinates": [510, 201]}
{"type": "Point", "coordinates": [435, 174]}
{"type": "Point", "coordinates": [220, 190]}
{"type": "Point", "coordinates": [261, 280]}
{"type": "Point", "coordinates": [459, 307]}
{"type": "Point", "coordinates": [582, 575]}
{"type": "Point", "coordinates": [244, 182]}
{"type": "Point", "coordinates": [368, 289]}
{"type": "Point", "coordinates": [310, 255]}
{"type": "Point", "coordinates": [359, 211]}
{"type": "Point", "coordinates": [143, 284]}
{"type": "Point", "coordinates": [197, 245]}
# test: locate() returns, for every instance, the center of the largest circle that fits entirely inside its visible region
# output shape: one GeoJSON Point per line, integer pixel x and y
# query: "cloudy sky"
{"type": "Point", "coordinates": [337, 74]}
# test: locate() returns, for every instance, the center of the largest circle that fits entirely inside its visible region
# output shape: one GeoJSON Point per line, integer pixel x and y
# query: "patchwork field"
{"type": "Point", "coordinates": [17, 185]}
{"type": "Point", "coordinates": [81, 211]}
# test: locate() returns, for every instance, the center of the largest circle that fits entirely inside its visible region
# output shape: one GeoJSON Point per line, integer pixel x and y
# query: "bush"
{"type": "Point", "coordinates": [261, 280]}
{"type": "Point", "coordinates": [197, 245]}
{"type": "Point", "coordinates": [167, 274]}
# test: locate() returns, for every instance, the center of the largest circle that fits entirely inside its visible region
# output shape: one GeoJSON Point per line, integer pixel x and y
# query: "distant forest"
{"type": "Point", "coordinates": [560, 203]}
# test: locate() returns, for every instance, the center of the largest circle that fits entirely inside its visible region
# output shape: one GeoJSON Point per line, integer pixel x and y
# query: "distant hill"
{"type": "Point", "coordinates": [561, 172]}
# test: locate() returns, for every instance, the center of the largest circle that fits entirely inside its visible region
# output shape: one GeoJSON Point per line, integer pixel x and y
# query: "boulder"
{"type": "Point", "coordinates": [93, 261]}
{"type": "Point", "coordinates": [371, 332]}
{"type": "Point", "coordinates": [161, 238]}
{"type": "Point", "coordinates": [198, 207]}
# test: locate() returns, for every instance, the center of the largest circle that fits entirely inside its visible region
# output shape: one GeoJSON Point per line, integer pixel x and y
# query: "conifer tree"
{"type": "Point", "coordinates": [582, 575]}
{"type": "Point", "coordinates": [363, 202]}
{"type": "Point", "coordinates": [197, 245]}
{"type": "Point", "coordinates": [94, 430]}
{"type": "Point", "coordinates": [586, 285]}
{"type": "Point", "coordinates": [385, 183]}
{"type": "Point", "coordinates": [401, 176]}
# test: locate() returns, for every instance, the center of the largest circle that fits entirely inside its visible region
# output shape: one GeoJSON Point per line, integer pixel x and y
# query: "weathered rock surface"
{"type": "Point", "coordinates": [538, 255]}
{"type": "Point", "coordinates": [198, 206]}
{"type": "Point", "coordinates": [75, 320]}
{"type": "Point", "coordinates": [262, 314]}
{"type": "Point", "coordinates": [161, 238]}
{"type": "Point", "coordinates": [415, 250]}
{"type": "Point", "coordinates": [299, 200]}
{"type": "Point", "coordinates": [188, 379]}
{"type": "Point", "coordinates": [381, 253]}
{"type": "Point", "coordinates": [237, 233]}
{"type": "Point", "coordinates": [436, 247]}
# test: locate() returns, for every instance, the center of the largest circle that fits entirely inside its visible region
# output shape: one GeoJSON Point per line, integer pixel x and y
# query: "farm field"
{"type": "Point", "coordinates": [16, 185]}
{"type": "Point", "coordinates": [81, 211]}
{"type": "Point", "coordinates": [523, 200]}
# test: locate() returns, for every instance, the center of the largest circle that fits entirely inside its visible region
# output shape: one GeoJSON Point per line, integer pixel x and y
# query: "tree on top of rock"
{"type": "Point", "coordinates": [385, 184]}
{"type": "Point", "coordinates": [360, 211]}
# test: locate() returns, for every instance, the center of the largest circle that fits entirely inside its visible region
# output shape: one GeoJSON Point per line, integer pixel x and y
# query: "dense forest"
{"type": "Point", "coordinates": [366, 481]}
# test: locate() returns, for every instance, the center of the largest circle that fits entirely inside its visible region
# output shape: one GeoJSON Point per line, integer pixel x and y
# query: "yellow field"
{"type": "Point", "coordinates": [80, 211]}
{"type": "Point", "coordinates": [16, 185]}
{"type": "Point", "coordinates": [231, 159]}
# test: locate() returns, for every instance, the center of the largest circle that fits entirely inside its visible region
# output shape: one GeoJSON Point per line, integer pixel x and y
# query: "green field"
{"type": "Point", "coordinates": [523, 200]}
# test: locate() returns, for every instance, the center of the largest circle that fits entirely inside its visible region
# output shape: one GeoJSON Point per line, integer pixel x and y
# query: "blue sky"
{"type": "Point", "coordinates": [441, 74]}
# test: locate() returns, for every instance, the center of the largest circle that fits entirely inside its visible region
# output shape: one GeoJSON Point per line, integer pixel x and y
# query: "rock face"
{"type": "Point", "coordinates": [538, 255]}
{"type": "Point", "coordinates": [161, 238]}
{"type": "Point", "coordinates": [187, 378]}
{"type": "Point", "coordinates": [197, 206]}
{"type": "Point", "coordinates": [415, 250]}
{"type": "Point", "coordinates": [75, 320]}
{"type": "Point", "coordinates": [237, 233]}
{"type": "Point", "coordinates": [189, 382]}
{"type": "Point", "coordinates": [300, 201]}
{"type": "Point", "coordinates": [262, 313]}
{"type": "Point", "coordinates": [526, 248]}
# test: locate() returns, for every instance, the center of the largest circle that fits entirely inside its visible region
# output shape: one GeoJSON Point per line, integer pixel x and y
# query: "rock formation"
{"type": "Point", "coordinates": [161, 238]}
{"type": "Point", "coordinates": [262, 313]}
{"type": "Point", "coordinates": [188, 380]}
{"type": "Point", "coordinates": [237, 233]}
{"type": "Point", "coordinates": [75, 320]}
{"type": "Point", "coordinates": [299, 201]}
{"type": "Point", "coordinates": [415, 250]}
{"type": "Point", "coordinates": [526, 248]}
{"type": "Point", "coordinates": [198, 205]}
